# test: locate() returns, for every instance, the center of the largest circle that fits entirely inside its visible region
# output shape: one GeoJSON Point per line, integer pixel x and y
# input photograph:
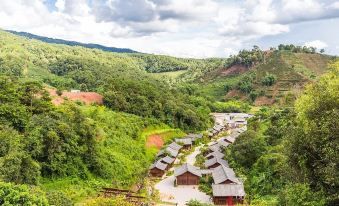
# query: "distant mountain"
{"type": "Point", "coordinates": [72, 43]}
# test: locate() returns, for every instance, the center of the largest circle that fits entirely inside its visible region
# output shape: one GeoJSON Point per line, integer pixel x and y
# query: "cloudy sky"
{"type": "Point", "coordinates": [186, 28]}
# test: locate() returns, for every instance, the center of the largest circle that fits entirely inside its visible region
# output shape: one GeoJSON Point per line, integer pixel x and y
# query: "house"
{"type": "Point", "coordinates": [195, 137]}
{"type": "Point", "coordinates": [228, 194]}
{"type": "Point", "coordinates": [185, 142]}
{"type": "Point", "coordinates": [158, 169]}
{"type": "Point", "coordinates": [224, 175]}
{"type": "Point", "coordinates": [215, 162]}
{"type": "Point", "coordinates": [239, 121]}
{"type": "Point", "coordinates": [218, 128]}
{"type": "Point", "coordinates": [167, 160]}
{"type": "Point", "coordinates": [187, 175]}
{"type": "Point", "coordinates": [168, 151]}
{"type": "Point", "coordinates": [230, 138]}
{"type": "Point", "coordinates": [214, 147]}
{"type": "Point", "coordinates": [216, 154]}
{"type": "Point", "coordinates": [175, 146]}
{"type": "Point", "coordinates": [223, 143]}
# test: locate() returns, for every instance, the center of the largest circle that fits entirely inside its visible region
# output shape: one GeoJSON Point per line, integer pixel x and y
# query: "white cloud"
{"type": "Point", "coordinates": [317, 44]}
{"type": "Point", "coordinates": [195, 28]}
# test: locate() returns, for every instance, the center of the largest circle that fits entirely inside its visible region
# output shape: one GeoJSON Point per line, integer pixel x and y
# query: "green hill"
{"type": "Point", "coordinates": [278, 78]}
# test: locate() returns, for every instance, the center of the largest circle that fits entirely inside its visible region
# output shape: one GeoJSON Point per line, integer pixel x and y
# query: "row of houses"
{"type": "Point", "coordinates": [227, 188]}
{"type": "Point", "coordinates": [167, 156]}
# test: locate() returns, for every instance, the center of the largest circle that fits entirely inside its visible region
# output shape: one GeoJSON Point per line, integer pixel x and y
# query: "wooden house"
{"type": "Point", "coordinates": [228, 194]}
{"type": "Point", "coordinates": [167, 160]}
{"type": "Point", "coordinates": [158, 169]}
{"type": "Point", "coordinates": [175, 146]}
{"type": "Point", "coordinates": [223, 143]}
{"type": "Point", "coordinates": [216, 154]}
{"type": "Point", "coordinates": [215, 162]}
{"type": "Point", "coordinates": [224, 175]}
{"type": "Point", "coordinates": [187, 175]}
{"type": "Point", "coordinates": [168, 151]}
{"type": "Point", "coordinates": [195, 137]}
{"type": "Point", "coordinates": [185, 142]}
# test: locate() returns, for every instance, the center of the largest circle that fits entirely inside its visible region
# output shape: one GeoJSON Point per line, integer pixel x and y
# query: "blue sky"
{"type": "Point", "coordinates": [185, 28]}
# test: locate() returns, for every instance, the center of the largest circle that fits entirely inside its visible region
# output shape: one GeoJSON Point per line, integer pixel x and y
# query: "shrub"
{"type": "Point", "coordinates": [269, 80]}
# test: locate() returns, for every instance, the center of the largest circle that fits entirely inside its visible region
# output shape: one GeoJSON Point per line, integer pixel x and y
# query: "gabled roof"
{"type": "Point", "coordinates": [185, 141]}
{"type": "Point", "coordinates": [158, 164]}
{"type": "Point", "coordinates": [214, 160]}
{"type": "Point", "coordinates": [167, 159]}
{"type": "Point", "coordinates": [187, 168]}
{"type": "Point", "coordinates": [172, 151]}
{"type": "Point", "coordinates": [226, 190]}
{"type": "Point", "coordinates": [174, 146]}
{"type": "Point", "coordinates": [222, 173]}
{"type": "Point", "coordinates": [230, 139]}
{"type": "Point", "coordinates": [195, 136]}
{"type": "Point", "coordinates": [168, 150]}
{"type": "Point", "coordinates": [214, 147]}
{"type": "Point", "coordinates": [218, 127]}
{"type": "Point", "coordinates": [223, 143]}
{"type": "Point", "coordinates": [216, 154]}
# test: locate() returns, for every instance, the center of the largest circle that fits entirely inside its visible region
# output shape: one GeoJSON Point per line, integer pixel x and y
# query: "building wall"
{"type": "Point", "coordinates": [229, 201]}
{"type": "Point", "coordinates": [187, 179]}
{"type": "Point", "coordinates": [155, 172]}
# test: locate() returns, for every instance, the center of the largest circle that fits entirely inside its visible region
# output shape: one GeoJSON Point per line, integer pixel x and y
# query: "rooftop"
{"type": "Point", "coordinates": [187, 168]}
{"type": "Point", "coordinates": [226, 190]}
{"type": "Point", "coordinates": [222, 173]}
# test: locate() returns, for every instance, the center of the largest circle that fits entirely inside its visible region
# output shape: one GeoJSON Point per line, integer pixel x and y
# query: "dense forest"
{"type": "Point", "coordinates": [288, 156]}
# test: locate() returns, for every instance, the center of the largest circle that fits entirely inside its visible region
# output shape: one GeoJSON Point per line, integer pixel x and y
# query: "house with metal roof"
{"type": "Point", "coordinates": [175, 146]}
{"type": "Point", "coordinates": [223, 143]}
{"type": "Point", "coordinates": [215, 162]}
{"type": "Point", "coordinates": [158, 169]}
{"type": "Point", "coordinates": [185, 142]}
{"type": "Point", "coordinates": [167, 160]}
{"type": "Point", "coordinates": [214, 147]}
{"type": "Point", "coordinates": [187, 175]}
{"type": "Point", "coordinates": [224, 175]}
{"type": "Point", "coordinates": [168, 151]}
{"type": "Point", "coordinates": [216, 154]}
{"type": "Point", "coordinates": [228, 194]}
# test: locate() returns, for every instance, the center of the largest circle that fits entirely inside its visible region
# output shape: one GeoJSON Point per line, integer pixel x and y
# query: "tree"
{"type": "Point", "coordinates": [322, 51]}
{"type": "Point", "coordinates": [21, 195]}
{"type": "Point", "coordinates": [313, 139]}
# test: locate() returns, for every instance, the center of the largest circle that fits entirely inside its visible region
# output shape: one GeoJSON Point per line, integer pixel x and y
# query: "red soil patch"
{"type": "Point", "coordinates": [85, 97]}
{"type": "Point", "coordinates": [235, 69]}
{"type": "Point", "coordinates": [155, 140]}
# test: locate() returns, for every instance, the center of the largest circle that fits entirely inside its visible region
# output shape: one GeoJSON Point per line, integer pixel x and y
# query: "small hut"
{"type": "Point", "coordinates": [216, 154]}
{"type": "Point", "coordinates": [187, 175]}
{"type": "Point", "coordinates": [158, 169]}
{"type": "Point", "coordinates": [228, 194]}
{"type": "Point", "coordinates": [215, 162]}
{"type": "Point", "coordinates": [224, 175]}
{"type": "Point", "coordinates": [186, 142]}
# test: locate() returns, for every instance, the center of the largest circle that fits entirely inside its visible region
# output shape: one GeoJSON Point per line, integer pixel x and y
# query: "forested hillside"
{"type": "Point", "coordinates": [288, 155]}
{"type": "Point", "coordinates": [120, 78]}
{"type": "Point", "coordinates": [259, 77]}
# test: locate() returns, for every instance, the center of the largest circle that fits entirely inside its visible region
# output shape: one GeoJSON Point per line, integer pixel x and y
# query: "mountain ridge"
{"type": "Point", "coordinates": [72, 43]}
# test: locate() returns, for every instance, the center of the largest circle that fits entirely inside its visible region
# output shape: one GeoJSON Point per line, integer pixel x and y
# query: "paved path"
{"type": "Point", "coordinates": [181, 194]}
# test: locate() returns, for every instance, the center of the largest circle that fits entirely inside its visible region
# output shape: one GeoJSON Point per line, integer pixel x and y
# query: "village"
{"type": "Point", "coordinates": [179, 177]}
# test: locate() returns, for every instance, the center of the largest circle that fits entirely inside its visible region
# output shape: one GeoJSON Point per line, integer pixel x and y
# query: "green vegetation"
{"type": "Point", "coordinates": [287, 157]}
{"type": "Point", "coordinates": [21, 195]}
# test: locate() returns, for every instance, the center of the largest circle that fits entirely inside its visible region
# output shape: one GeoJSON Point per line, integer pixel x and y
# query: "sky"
{"type": "Point", "coordinates": [182, 28]}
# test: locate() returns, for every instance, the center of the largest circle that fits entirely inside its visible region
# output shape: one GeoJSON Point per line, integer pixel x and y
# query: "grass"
{"type": "Point", "coordinates": [172, 75]}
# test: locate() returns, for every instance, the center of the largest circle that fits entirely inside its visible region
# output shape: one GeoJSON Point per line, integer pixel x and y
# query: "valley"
{"type": "Point", "coordinates": [79, 124]}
